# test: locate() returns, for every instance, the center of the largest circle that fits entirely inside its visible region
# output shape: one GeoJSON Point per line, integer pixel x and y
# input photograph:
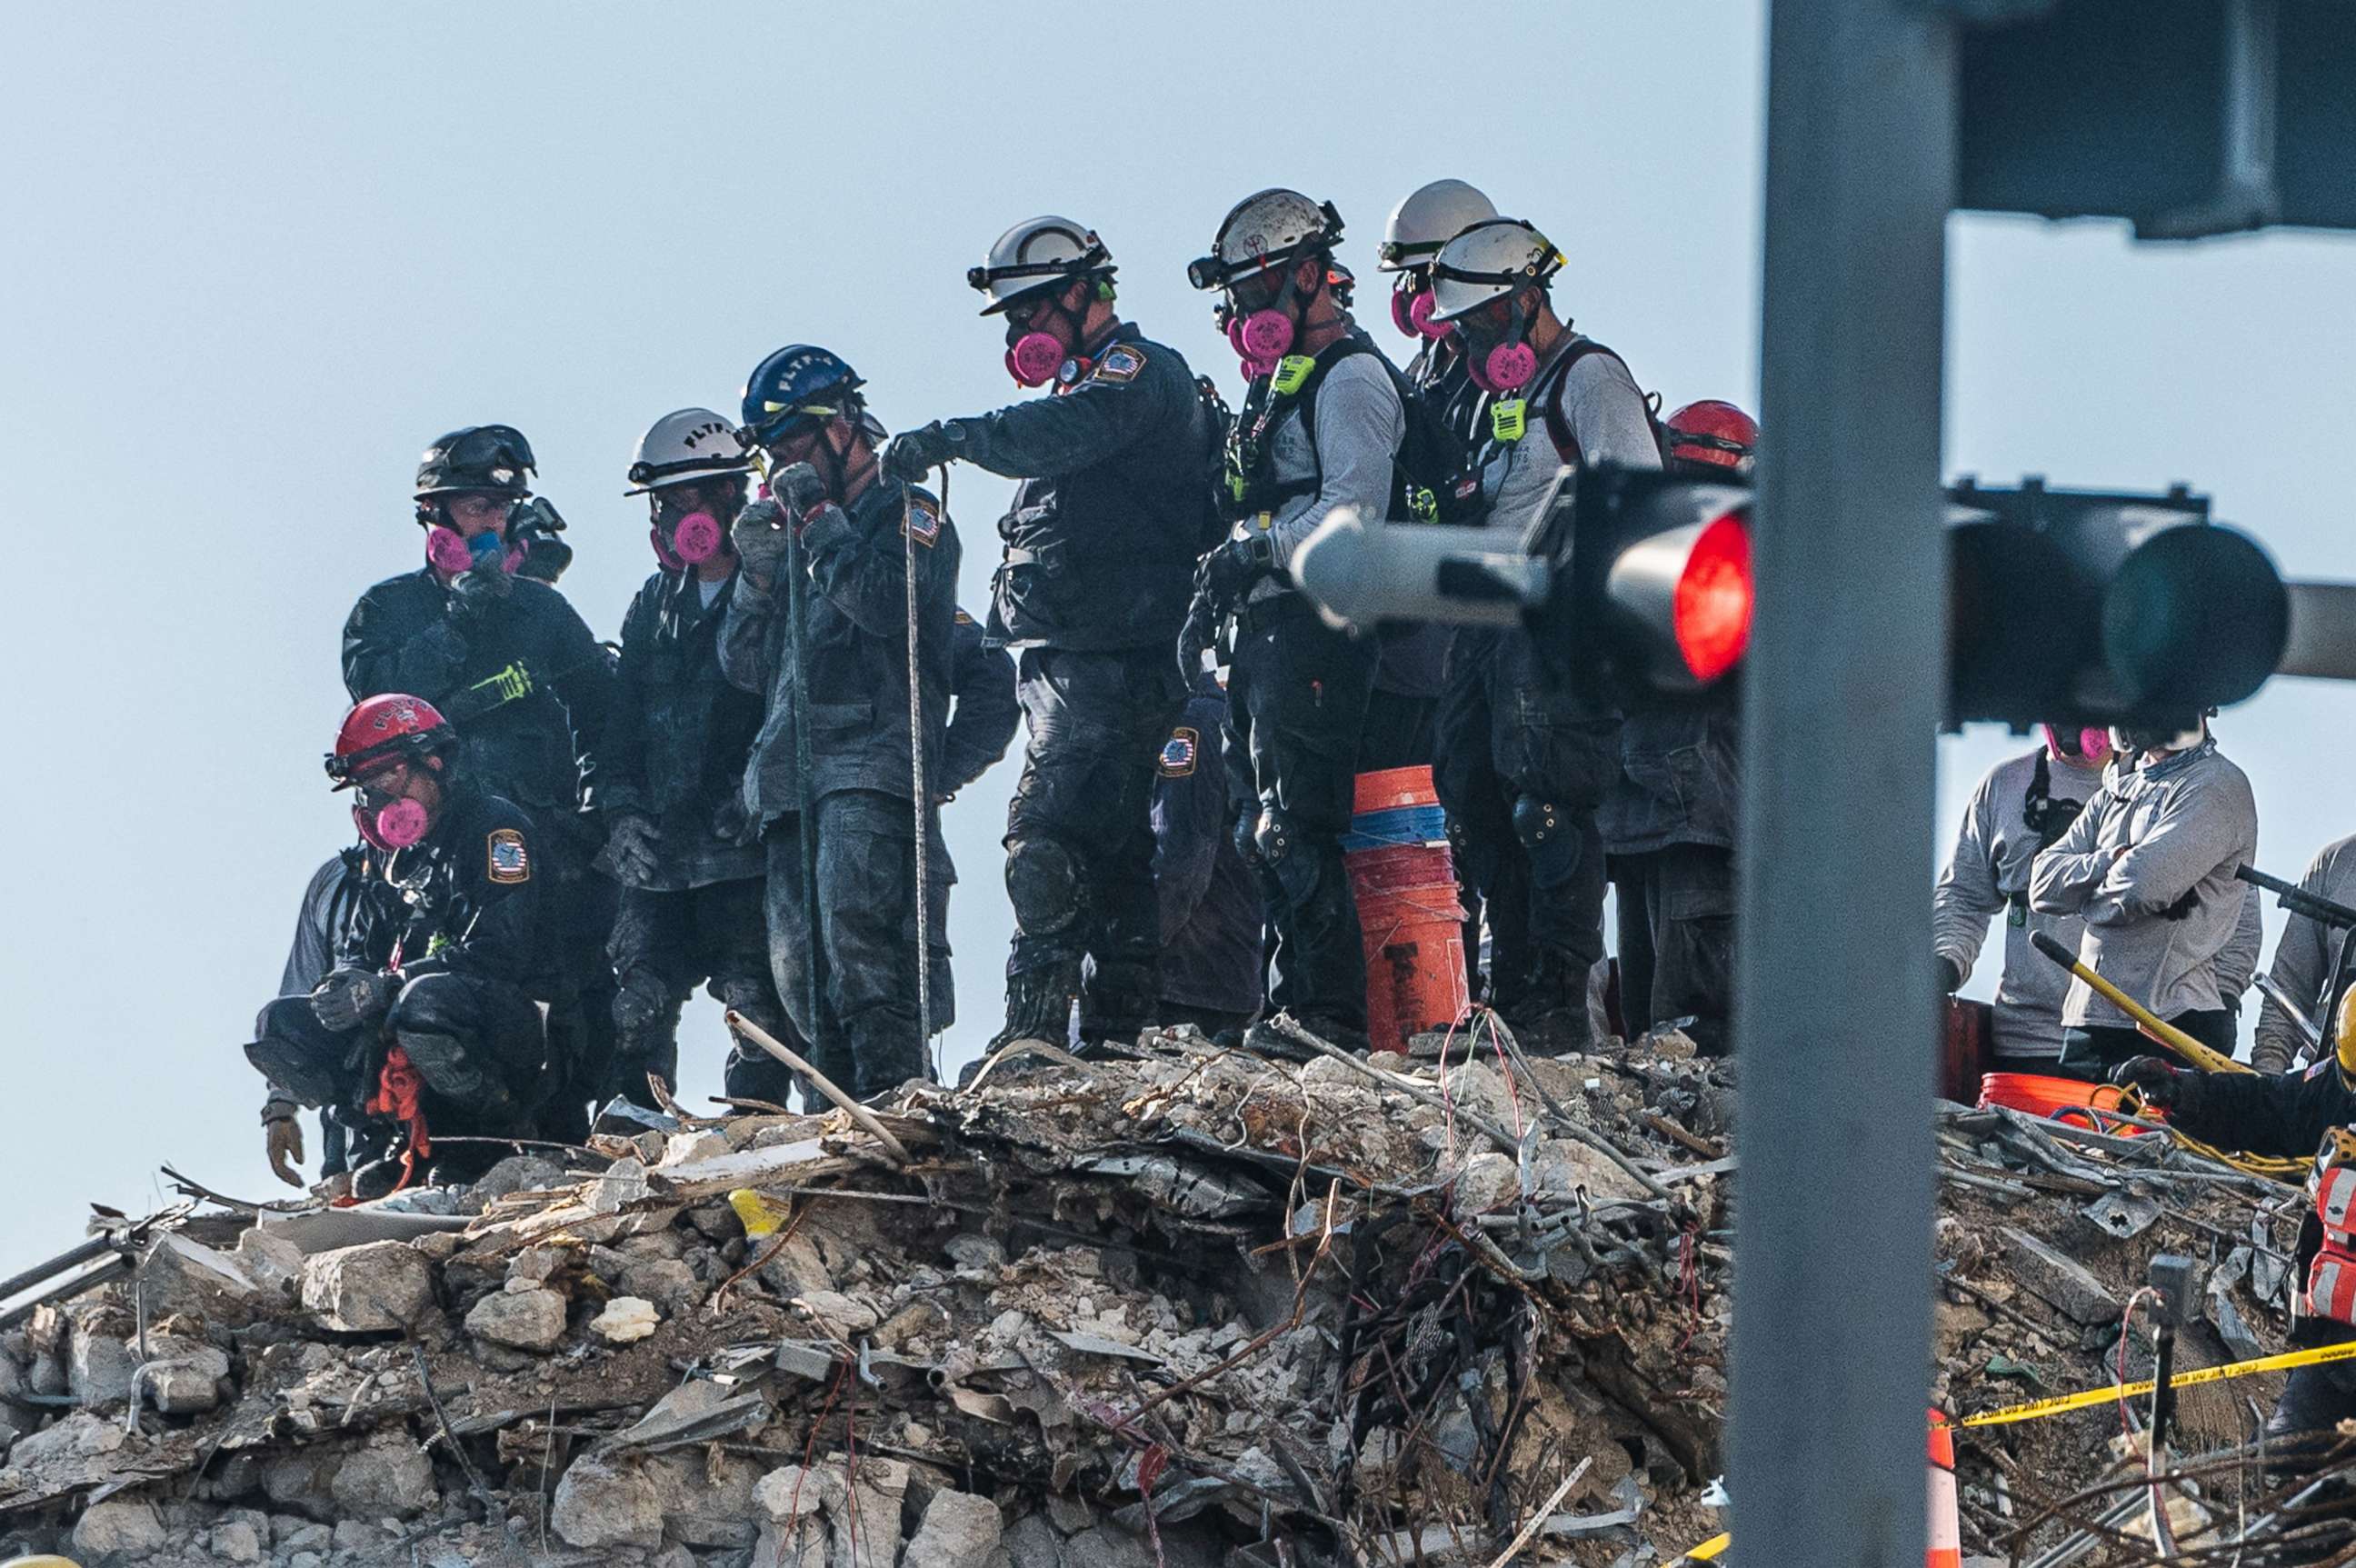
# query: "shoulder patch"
{"type": "Point", "coordinates": [1122, 362]}
{"type": "Point", "coordinates": [506, 858]}
{"type": "Point", "coordinates": [1180, 751]}
{"type": "Point", "coordinates": [924, 514]}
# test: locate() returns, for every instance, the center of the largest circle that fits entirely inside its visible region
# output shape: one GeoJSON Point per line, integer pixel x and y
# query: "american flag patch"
{"type": "Point", "coordinates": [1178, 753]}
{"type": "Point", "coordinates": [924, 517]}
{"type": "Point", "coordinates": [506, 858]}
{"type": "Point", "coordinates": [1121, 364]}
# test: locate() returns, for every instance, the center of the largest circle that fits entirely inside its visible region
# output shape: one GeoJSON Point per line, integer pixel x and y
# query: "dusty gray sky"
{"type": "Point", "coordinates": [259, 254]}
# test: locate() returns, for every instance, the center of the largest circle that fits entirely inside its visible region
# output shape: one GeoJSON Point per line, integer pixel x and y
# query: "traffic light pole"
{"type": "Point", "coordinates": [1833, 1011]}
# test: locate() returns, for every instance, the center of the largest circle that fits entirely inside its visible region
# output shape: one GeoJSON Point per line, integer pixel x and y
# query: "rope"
{"type": "Point", "coordinates": [918, 788]}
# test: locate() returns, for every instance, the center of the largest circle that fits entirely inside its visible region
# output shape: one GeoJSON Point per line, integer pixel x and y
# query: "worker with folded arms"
{"type": "Point", "coordinates": [2306, 960]}
{"type": "Point", "coordinates": [2289, 1115]}
{"type": "Point", "coordinates": [2149, 868]}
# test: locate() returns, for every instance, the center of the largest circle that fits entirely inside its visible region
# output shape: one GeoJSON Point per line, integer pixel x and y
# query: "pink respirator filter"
{"type": "Point", "coordinates": [1033, 359]}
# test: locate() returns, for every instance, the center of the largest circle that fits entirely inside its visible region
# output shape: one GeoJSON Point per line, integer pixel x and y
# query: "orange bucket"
{"type": "Point", "coordinates": [2065, 1099]}
{"type": "Point", "coordinates": [1404, 881]}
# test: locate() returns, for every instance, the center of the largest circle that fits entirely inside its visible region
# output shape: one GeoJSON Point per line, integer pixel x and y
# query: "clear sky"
{"type": "Point", "coordinates": [257, 255]}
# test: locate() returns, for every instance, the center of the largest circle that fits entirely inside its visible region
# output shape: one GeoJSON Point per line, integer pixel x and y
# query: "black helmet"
{"type": "Point", "coordinates": [479, 457]}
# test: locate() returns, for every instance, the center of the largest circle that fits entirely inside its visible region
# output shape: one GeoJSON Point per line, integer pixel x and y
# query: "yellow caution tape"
{"type": "Point", "coordinates": [2060, 1403]}
{"type": "Point", "coordinates": [761, 1218]}
{"type": "Point", "coordinates": [1708, 1550]}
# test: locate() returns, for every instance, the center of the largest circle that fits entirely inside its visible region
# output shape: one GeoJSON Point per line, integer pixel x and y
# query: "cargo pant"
{"type": "Point", "coordinates": [665, 943]}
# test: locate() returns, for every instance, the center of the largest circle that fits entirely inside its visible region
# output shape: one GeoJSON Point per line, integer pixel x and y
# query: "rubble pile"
{"type": "Point", "coordinates": [1201, 1309]}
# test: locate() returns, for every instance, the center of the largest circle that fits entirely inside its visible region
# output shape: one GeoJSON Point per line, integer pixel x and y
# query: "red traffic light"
{"type": "Point", "coordinates": [1711, 611]}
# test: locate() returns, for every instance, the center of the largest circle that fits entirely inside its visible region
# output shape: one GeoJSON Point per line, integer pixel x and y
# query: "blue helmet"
{"type": "Point", "coordinates": [799, 381]}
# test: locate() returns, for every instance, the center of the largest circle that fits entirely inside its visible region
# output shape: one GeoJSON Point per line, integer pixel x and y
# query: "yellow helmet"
{"type": "Point", "coordinates": [2343, 1039]}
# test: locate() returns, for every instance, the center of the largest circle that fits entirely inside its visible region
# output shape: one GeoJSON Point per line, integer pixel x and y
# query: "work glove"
{"type": "Point", "coordinates": [535, 525]}
{"type": "Point", "coordinates": [2163, 1087]}
{"type": "Point", "coordinates": [351, 998]}
{"type": "Point", "coordinates": [797, 488]}
{"type": "Point", "coordinates": [1951, 976]}
{"type": "Point", "coordinates": [911, 455]}
{"type": "Point", "coordinates": [630, 846]}
{"type": "Point", "coordinates": [1195, 637]}
{"type": "Point", "coordinates": [475, 590]}
{"type": "Point", "coordinates": [826, 531]}
{"type": "Point", "coordinates": [282, 1135]}
{"type": "Point", "coordinates": [1227, 572]}
{"type": "Point", "coordinates": [760, 538]}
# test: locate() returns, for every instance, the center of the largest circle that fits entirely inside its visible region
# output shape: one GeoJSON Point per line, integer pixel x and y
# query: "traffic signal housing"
{"type": "Point", "coordinates": [1653, 588]}
{"type": "Point", "coordinates": [2101, 608]}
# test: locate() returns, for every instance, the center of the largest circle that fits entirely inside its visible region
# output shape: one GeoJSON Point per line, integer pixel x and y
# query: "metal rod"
{"type": "Point", "coordinates": [917, 787]}
{"type": "Point", "coordinates": [63, 1260]}
{"type": "Point", "coordinates": [819, 1081]}
{"type": "Point", "coordinates": [1834, 1196]}
{"type": "Point", "coordinates": [106, 1272]}
{"type": "Point", "coordinates": [805, 771]}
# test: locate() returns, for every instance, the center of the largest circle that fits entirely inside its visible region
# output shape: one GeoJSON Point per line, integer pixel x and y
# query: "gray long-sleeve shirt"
{"type": "Point", "coordinates": [1987, 875]}
{"type": "Point", "coordinates": [2148, 865]}
{"type": "Point", "coordinates": [1601, 406]}
{"type": "Point", "coordinates": [2306, 958]}
{"type": "Point", "coordinates": [1360, 423]}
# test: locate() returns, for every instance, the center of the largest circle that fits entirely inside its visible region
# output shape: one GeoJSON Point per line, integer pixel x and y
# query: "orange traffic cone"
{"type": "Point", "coordinates": [1946, 1547]}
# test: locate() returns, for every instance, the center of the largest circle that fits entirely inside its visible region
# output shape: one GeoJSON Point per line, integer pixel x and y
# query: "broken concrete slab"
{"type": "Point", "coordinates": [368, 1289]}
{"type": "Point", "coordinates": [2063, 1281]}
{"type": "Point", "coordinates": [532, 1318]}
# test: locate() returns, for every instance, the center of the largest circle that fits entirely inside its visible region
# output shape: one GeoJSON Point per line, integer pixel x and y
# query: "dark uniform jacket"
{"type": "Point", "coordinates": [1210, 902]}
{"type": "Point", "coordinates": [858, 641]}
{"type": "Point", "coordinates": [1114, 506]}
{"type": "Point", "coordinates": [524, 683]}
{"type": "Point", "coordinates": [1678, 782]}
{"type": "Point", "coordinates": [1415, 655]}
{"type": "Point", "coordinates": [466, 901]}
{"type": "Point", "coordinates": [2279, 1114]}
{"type": "Point", "coordinates": [988, 711]}
{"type": "Point", "coordinates": [674, 749]}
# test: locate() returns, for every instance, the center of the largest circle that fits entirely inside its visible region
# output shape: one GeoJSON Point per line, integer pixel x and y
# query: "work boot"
{"type": "Point", "coordinates": [888, 1055]}
{"type": "Point", "coordinates": [1038, 1008]}
{"type": "Point", "coordinates": [1117, 1005]}
{"type": "Point", "coordinates": [1550, 1019]}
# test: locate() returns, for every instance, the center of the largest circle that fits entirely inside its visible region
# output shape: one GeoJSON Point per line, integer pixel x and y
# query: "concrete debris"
{"type": "Point", "coordinates": [1201, 1309]}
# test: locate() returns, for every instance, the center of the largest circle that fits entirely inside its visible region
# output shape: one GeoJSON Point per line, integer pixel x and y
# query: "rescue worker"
{"type": "Point", "coordinates": [328, 900]}
{"type": "Point", "coordinates": [1668, 818]}
{"type": "Point", "coordinates": [2307, 959]}
{"type": "Point", "coordinates": [1100, 542]}
{"type": "Point", "coordinates": [2021, 808]}
{"type": "Point", "coordinates": [1210, 903]}
{"type": "Point", "coordinates": [527, 686]}
{"type": "Point", "coordinates": [1413, 657]}
{"type": "Point", "coordinates": [2149, 867]}
{"type": "Point", "coordinates": [1321, 426]}
{"type": "Point", "coordinates": [2290, 1115]}
{"type": "Point", "coordinates": [671, 777]}
{"type": "Point", "coordinates": [431, 1016]}
{"type": "Point", "coordinates": [1520, 754]}
{"type": "Point", "coordinates": [856, 529]}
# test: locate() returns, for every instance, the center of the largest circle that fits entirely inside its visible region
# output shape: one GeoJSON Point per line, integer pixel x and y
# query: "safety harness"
{"type": "Point", "coordinates": [2331, 1277]}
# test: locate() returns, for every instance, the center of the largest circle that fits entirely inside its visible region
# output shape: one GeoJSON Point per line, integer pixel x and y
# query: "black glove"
{"type": "Point", "coordinates": [1195, 637]}
{"type": "Point", "coordinates": [2182, 906]}
{"type": "Point", "coordinates": [760, 538]}
{"type": "Point", "coordinates": [1951, 978]}
{"type": "Point", "coordinates": [535, 525]}
{"type": "Point", "coordinates": [911, 455]}
{"type": "Point", "coordinates": [478, 588]}
{"type": "Point", "coordinates": [797, 487]}
{"type": "Point", "coordinates": [2160, 1085]}
{"type": "Point", "coordinates": [631, 846]}
{"type": "Point", "coordinates": [1232, 567]}
{"type": "Point", "coordinates": [351, 998]}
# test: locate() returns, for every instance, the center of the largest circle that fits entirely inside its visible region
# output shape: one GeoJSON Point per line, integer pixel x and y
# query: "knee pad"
{"type": "Point", "coordinates": [451, 1069]}
{"type": "Point", "coordinates": [1042, 883]}
{"type": "Point", "coordinates": [1536, 821]}
{"type": "Point", "coordinates": [1550, 838]}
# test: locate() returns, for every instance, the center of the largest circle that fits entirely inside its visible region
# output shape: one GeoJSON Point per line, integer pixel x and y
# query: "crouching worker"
{"type": "Point", "coordinates": [2290, 1116]}
{"type": "Point", "coordinates": [431, 1018]}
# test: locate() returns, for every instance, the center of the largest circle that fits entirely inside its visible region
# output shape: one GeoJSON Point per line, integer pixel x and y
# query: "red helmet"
{"type": "Point", "coordinates": [382, 730]}
{"type": "Point", "coordinates": [1712, 434]}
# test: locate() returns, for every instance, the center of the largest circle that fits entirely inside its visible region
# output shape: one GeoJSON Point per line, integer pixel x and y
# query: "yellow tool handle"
{"type": "Point", "coordinates": [2167, 1034]}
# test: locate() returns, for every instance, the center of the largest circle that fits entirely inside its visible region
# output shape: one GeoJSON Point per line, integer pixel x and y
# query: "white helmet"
{"type": "Point", "coordinates": [1265, 230]}
{"type": "Point", "coordinates": [1038, 252]}
{"type": "Point", "coordinates": [1489, 260]}
{"type": "Point", "coordinates": [684, 445]}
{"type": "Point", "coordinates": [1428, 218]}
